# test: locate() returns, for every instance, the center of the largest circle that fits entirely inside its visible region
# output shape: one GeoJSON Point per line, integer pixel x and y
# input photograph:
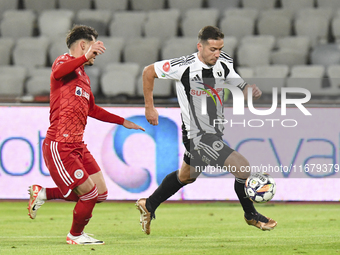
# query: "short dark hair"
{"type": "Point", "coordinates": [80, 32]}
{"type": "Point", "coordinates": [210, 32]}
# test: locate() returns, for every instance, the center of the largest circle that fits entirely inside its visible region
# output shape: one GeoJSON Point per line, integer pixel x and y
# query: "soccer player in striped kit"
{"type": "Point", "coordinates": [195, 73]}
{"type": "Point", "coordinates": [71, 165]}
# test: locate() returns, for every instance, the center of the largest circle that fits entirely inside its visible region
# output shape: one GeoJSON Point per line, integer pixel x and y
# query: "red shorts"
{"type": "Point", "coordinates": [70, 164]}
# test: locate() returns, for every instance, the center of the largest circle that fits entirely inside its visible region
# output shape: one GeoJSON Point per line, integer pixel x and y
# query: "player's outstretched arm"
{"type": "Point", "coordinates": [131, 125]}
{"type": "Point", "coordinates": [149, 75]}
{"type": "Point", "coordinates": [256, 91]}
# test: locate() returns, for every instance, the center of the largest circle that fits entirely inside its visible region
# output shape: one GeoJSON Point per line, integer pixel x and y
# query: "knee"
{"type": "Point", "coordinates": [242, 175]}
{"type": "Point", "coordinates": [102, 197]}
{"type": "Point", "coordinates": [243, 172]}
{"type": "Point", "coordinates": [186, 181]}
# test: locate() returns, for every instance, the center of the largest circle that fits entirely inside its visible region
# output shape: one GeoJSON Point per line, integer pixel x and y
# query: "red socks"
{"type": "Point", "coordinates": [102, 197]}
{"type": "Point", "coordinates": [82, 212]}
{"type": "Point", "coordinates": [54, 193]}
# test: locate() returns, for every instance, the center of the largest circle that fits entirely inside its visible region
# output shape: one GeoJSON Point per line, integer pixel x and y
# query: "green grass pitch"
{"type": "Point", "coordinates": [180, 228]}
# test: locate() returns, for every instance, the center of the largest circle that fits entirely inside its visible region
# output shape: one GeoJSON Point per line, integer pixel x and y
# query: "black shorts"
{"type": "Point", "coordinates": [211, 150]}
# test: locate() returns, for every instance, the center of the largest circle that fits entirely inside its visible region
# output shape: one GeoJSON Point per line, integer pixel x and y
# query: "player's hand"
{"type": "Point", "coordinates": [95, 49]}
{"type": "Point", "coordinates": [256, 92]}
{"type": "Point", "coordinates": [151, 115]}
{"type": "Point", "coordinates": [131, 125]}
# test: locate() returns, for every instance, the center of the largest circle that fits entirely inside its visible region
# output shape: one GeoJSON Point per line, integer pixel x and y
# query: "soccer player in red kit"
{"type": "Point", "coordinates": [71, 165]}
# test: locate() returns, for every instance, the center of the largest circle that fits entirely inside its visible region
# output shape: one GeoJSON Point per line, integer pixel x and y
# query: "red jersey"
{"type": "Point", "coordinates": [71, 101]}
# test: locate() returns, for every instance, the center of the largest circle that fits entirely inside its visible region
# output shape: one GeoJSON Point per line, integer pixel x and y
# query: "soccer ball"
{"type": "Point", "coordinates": [260, 187]}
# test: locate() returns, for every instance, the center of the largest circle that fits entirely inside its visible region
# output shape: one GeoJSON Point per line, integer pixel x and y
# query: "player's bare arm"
{"type": "Point", "coordinates": [131, 125]}
{"type": "Point", "coordinates": [256, 91]}
{"type": "Point", "coordinates": [149, 75]}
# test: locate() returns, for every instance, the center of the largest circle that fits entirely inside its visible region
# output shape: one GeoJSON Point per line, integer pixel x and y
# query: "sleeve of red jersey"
{"type": "Point", "coordinates": [63, 67]}
{"type": "Point", "coordinates": [100, 114]}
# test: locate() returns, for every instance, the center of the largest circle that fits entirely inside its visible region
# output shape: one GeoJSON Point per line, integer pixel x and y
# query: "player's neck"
{"type": "Point", "coordinates": [75, 54]}
{"type": "Point", "coordinates": [77, 51]}
{"type": "Point", "coordinates": [202, 60]}
{"type": "Point", "coordinates": [200, 57]}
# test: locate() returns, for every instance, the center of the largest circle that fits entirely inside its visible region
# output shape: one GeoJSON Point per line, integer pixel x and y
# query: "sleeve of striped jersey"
{"type": "Point", "coordinates": [233, 78]}
{"type": "Point", "coordinates": [167, 69]}
{"type": "Point", "coordinates": [100, 114]}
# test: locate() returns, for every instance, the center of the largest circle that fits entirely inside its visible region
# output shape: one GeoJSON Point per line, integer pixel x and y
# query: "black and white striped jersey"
{"type": "Point", "coordinates": [200, 91]}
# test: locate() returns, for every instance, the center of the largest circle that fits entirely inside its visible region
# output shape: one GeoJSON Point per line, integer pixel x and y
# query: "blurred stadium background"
{"type": "Point", "coordinates": [275, 43]}
{"type": "Point", "coordinates": [286, 40]}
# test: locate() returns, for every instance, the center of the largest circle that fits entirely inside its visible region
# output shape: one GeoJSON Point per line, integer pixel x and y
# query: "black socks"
{"type": "Point", "coordinates": [169, 186]}
{"type": "Point", "coordinates": [246, 203]}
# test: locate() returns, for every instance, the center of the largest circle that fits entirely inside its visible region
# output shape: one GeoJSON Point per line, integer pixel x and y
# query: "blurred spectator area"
{"type": "Point", "coordinates": [274, 43]}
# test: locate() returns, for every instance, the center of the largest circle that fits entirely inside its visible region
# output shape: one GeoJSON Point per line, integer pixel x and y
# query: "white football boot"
{"type": "Point", "coordinates": [83, 239]}
{"type": "Point", "coordinates": [37, 199]}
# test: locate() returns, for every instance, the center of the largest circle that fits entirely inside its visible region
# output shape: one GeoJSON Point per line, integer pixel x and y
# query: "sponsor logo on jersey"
{"type": "Point", "coordinates": [172, 73]}
{"type": "Point", "coordinates": [206, 159]}
{"type": "Point", "coordinates": [83, 93]}
{"type": "Point", "coordinates": [196, 78]}
{"type": "Point", "coordinates": [79, 91]}
{"type": "Point", "coordinates": [187, 62]}
{"type": "Point", "coordinates": [78, 174]}
{"type": "Point", "coordinates": [214, 91]}
{"type": "Point", "coordinates": [200, 91]}
{"type": "Point", "coordinates": [183, 60]}
{"type": "Point", "coordinates": [166, 67]}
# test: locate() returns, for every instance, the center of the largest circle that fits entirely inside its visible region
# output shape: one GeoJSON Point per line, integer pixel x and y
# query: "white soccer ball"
{"type": "Point", "coordinates": [260, 187]}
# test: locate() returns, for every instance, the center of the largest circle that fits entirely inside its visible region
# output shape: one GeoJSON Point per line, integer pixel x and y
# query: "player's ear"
{"type": "Point", "coordinates": [83, 44]}
{"type": "Point", "coordinates": [199, 46]}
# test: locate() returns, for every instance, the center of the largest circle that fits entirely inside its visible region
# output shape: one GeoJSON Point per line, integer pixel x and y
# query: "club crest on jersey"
{"type": "Point", "coordinates": [217, 145]}
{"type": "Point", "coordinates": [166, 66]}
{"type": "Point", "coordinates": [79, 174]}
{"type": "Point", "coordinates": [82, 93]}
